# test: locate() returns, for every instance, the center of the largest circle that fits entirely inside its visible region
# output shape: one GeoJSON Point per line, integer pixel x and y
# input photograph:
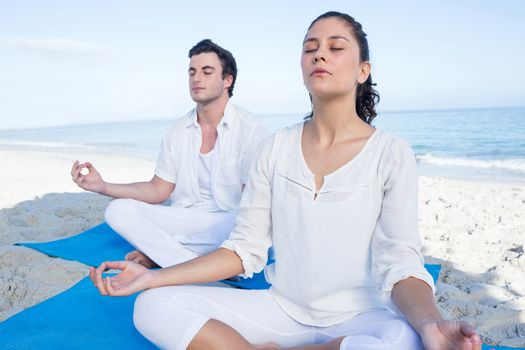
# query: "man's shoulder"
{"type": "Point", "coordinates": [244, 116]}
{"type": "Point", "coordinates": [181, 122]}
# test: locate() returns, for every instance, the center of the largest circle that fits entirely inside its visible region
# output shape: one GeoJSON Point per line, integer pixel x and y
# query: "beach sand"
{"type": "Point", "coordinates": [475, 230]}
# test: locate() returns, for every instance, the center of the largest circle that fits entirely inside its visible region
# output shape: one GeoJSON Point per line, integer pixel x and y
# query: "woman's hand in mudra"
{"type": "Point", "coordinates": [133, 278]}
{"type": "Point", "coordinates": [450, 335]}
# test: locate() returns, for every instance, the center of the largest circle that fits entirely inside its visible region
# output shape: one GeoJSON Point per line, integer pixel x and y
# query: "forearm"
{"type": "Point", "coordinates": [220, 264]}
{"type": "Point", "coordinates": [141, 191]}
{"type": "Point", "coordinates": [154, 191]}
{"type": "Point", "coordinates": [415, 300]}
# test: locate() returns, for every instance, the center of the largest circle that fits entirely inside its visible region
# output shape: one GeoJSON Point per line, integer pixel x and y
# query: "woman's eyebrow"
{"type": "Point", "coordinates": [339, 37]}
{"type": "Point", "coordinates": [308, 40]}
{"type": "Point", "coordinates": [333, 37]}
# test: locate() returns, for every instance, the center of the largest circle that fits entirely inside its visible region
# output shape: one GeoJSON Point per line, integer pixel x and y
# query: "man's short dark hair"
{"type": "Point", "coordinates": [229, 67]}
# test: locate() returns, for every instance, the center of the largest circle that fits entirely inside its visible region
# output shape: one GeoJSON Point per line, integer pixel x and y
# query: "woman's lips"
{"type": "Point", "coordinates": [320, 72]}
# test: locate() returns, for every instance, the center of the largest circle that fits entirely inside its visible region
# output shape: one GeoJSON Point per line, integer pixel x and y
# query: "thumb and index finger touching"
{"type": "Point", "coordinates": [87, 165]}
{"type": "Point", "coordinates": [115, 265]}
{"type": "Point", "coordinates": [99, 280]}
{"type": "Point", "coordinates": [469, 331]}
{"type": "Point", "coordinates": [78, 176]}
{"type": "Point", "coordinates": [80, 166]}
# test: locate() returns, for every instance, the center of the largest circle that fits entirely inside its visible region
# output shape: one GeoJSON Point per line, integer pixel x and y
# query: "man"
{"type": "Point", "coordinates": [203, 165]}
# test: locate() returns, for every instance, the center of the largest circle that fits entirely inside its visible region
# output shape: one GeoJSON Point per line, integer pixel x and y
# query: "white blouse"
{"type": "Point", "coordinates": [338, 253]}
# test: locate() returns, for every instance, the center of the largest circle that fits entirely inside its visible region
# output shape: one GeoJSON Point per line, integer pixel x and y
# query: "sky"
{"type": "Point", "coordinates": [80, 62]}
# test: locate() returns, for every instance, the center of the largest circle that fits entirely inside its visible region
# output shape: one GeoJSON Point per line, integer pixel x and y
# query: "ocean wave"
{"type": "Point", "coordinates": [504, 164]}
{"type": "Point", "coordinates": [44, 144]}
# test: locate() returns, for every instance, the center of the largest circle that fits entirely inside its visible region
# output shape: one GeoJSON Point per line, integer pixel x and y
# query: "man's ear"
{"type": "Point", "coordinates": [228, 81]}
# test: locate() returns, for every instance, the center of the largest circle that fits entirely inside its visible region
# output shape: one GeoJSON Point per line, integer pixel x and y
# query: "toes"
{"type": "Point", "coordinates": [131, 256]}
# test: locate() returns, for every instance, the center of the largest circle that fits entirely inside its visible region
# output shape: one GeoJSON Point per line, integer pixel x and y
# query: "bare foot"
{"type": "Point", "coordinates": [234, 279]}
{"type": "Point", "coordinates": [140, 258]}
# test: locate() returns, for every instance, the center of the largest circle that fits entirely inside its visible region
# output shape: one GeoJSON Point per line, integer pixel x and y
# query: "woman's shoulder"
{"type": "Point", "coordinates": [391, 143]}
{"type": "Point", "coordinates": [394, 153]}
{"type": "Point", "coordinates": [281, 143]}
{"type": "Point", "coordinates": [294, 129]}
{"type": "Point", "coordinates": [288, 135]}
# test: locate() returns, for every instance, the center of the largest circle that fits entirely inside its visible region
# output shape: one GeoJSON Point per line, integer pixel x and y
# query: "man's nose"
{"type": "Point", "coordinates": [197, 77]}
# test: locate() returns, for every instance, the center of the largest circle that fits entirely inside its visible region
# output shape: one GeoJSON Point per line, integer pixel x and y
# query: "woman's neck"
{"type": "Point", "coordinates": [335, 120]}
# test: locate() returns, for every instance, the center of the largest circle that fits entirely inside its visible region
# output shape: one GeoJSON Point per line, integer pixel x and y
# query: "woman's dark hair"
{"type": "Point", "coordinates": [229, 67]}
{"type": "Point", "coordinates": [366, 96]}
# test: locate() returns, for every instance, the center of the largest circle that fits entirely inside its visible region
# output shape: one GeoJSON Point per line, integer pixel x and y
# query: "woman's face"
{"type": "Point", "coordinates": [330, 60]}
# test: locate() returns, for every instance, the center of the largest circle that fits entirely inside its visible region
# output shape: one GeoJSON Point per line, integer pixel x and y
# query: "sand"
{"type": "Point", "coordinates": [40, 202]}
{"type": "Point", "coordinates": [476, 230]}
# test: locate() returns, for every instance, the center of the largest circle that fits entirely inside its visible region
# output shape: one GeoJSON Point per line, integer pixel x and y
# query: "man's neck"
{"type": "Point", "coordinates": [210, 114]}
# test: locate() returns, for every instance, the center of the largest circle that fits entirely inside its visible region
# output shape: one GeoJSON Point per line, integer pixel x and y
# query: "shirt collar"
{"type": "Point", "coordinates": [191, 118]}
{"type": "Point", "coordinates": [229, 114]}
{"type": "Point", "coordinates": [227, 118]}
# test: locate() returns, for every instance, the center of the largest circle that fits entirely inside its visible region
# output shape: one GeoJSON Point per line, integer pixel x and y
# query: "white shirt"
{"type": "Point", "coordinates": [204, 170]}
{"type": "Point", "coordinates": [341, 253]}
{"type": "Point", "coordinates": [239, 134]}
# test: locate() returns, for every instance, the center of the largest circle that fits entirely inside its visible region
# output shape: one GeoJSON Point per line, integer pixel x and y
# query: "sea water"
{"type": "Point", "coordinates": [480, 144]}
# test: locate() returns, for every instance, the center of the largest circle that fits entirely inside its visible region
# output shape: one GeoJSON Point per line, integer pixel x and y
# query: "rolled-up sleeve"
{"type": "Point", "coordinates": [396, 244]}
{"type": "Point", "coordinates": [251, 237]}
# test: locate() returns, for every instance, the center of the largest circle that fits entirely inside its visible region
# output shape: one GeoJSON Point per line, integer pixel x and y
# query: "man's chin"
{"type": "Point", "coordinates": [197, 98]}
{"type": "Point", "coordinates": [201, 99]}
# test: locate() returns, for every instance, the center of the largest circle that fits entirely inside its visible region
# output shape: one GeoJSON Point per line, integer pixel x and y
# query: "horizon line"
{"type": "Point", "coordinates": [165, 118]}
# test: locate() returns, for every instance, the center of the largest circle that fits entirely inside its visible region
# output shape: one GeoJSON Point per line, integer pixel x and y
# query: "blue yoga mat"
{"type": "Point", "coordinates": [80, 318]}
{"type": "Point", "coordinates": [101, 243]}
{"type": "Point", "coordinates": [91, 247]}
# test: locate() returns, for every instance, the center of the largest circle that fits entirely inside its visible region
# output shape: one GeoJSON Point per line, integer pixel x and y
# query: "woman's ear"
{"type": "Point", "coordinates": [364, 72]}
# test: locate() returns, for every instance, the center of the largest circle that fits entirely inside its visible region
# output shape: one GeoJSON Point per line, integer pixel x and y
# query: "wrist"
{"type": "Point", "coordinates": [425, 324]}
{"type": "Point", "coordinates": [154, 281]}
{"type": "Point", "coordinates": [105, 189]}
{"type": "Point", "coordinates": [158, 278]}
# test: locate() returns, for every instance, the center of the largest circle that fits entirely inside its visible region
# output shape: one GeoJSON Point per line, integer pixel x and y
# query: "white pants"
{"type": "Point", "coordinates": [170, 317]}
{"type": "Point", "coordinates": [169, 235]}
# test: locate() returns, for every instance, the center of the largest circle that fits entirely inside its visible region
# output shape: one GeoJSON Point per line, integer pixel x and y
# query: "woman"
{"type": "Point", "coordinates": [337, 200]}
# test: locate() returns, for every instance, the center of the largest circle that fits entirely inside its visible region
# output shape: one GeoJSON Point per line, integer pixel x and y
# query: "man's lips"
{"type": "Point", "coordinates": [197, 88]}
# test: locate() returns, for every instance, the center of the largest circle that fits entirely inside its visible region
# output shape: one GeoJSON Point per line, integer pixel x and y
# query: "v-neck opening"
{"type": "Point", "coordinates": [336, 171]}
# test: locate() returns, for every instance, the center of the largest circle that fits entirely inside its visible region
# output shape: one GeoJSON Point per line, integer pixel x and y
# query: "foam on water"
{"type": "Point", "coordinates": [43, 144]}
{"type": "Point", "coordinates": [486, 143]}
{"type": "Point", "coordinates": [517, 165]}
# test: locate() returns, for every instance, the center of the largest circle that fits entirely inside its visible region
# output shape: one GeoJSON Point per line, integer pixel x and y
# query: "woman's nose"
{"type": "Point", "coordinates": [319, 56]}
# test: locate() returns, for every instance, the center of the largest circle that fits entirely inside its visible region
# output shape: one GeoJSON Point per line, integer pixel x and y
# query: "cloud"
{"type": "Point", "coordinates": [54, 46]}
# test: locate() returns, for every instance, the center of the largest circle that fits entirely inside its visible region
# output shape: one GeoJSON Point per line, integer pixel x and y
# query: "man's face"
{"type": "Point", "coordinates": [205, 78]}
